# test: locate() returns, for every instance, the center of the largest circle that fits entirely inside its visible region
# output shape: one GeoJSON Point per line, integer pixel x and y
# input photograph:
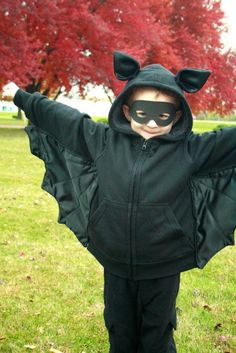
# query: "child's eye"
{"type": "Point", "coordinates": [164, 116]}
{"type": "Point", "coordinates": [141, 114]}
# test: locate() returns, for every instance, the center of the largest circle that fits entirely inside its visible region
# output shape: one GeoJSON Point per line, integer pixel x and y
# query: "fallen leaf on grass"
{"type": "Point", "coordinates": [224, 341]}
{"type": "Point", "coordinates": [223, 338]}
{"type": "Point", "coordinates": [53, 350]}
{"type": "Point", "coordinates": [6, 242]}
{"type": "Point", "coordinates": [179, 310]}
{"type": "Point", "coordinates": [30, 346]}
{"type": "Point", "coordinates": [196, 292]}
{"type": "Point", "coordinates": [217, 326]}
{"type": "Point", "coordinates": [207, 307]}
{"type": "Point", "coordinates": [230, 261]}
{"type": "Point", "coordinates": [42, 253]}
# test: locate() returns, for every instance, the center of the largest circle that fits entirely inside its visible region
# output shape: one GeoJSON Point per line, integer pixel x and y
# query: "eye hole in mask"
{"type": "Point", "coordinates": [142, 115]}
{"type": "Point", "coordinates": [163, 113]}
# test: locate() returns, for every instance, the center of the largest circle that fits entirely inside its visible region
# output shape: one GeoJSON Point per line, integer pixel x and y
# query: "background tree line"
{"type": "Point", "coordinates": [51, 45]}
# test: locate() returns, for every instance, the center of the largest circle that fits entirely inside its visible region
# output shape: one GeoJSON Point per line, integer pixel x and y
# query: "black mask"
{"type": "Point", "coordinates": [163, 113]}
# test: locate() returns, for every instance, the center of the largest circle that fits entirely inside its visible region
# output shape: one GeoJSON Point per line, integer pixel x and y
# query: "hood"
{"type": "Point", "coordinates": [128, 69]}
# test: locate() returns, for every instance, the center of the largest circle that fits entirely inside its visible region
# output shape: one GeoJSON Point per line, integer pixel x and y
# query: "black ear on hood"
{"type": "Point", "coordinates": [125, 66]}
{"type": "Point", "coordinates": [192, 80]}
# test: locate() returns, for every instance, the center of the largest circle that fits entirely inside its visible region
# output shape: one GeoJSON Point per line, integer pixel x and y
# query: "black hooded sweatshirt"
{"type": "Point", "coordinates": [143, 208]}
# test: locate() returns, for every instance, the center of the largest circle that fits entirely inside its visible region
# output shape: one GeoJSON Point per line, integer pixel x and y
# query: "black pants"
{"type": "Point", "coordinates": [140, 315]}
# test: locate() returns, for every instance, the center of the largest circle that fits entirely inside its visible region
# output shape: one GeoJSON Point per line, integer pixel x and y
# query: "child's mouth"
{"type": "Point", "coordinates": [151, 132]}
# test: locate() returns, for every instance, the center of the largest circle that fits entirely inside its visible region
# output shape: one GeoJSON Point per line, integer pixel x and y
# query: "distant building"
{"type": "Point", "coordinates": [99, 108]}
{"type": "Point", "coordinates": [8, 107]}
{"type": "Point", "coordinates": [94, 109]}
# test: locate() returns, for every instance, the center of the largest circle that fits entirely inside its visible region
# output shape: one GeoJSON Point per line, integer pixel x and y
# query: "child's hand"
{"type": "Point", "coordinates": [9, 90]}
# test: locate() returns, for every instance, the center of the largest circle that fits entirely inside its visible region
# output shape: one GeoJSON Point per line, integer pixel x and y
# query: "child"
{"type": "Point", "coordinates": [147, 197]}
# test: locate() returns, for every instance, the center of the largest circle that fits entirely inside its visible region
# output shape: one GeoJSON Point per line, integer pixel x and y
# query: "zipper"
{"type": "Point", "coordinates": [134, 193]}
{"type": "Point", "coordinates": [144, 145]}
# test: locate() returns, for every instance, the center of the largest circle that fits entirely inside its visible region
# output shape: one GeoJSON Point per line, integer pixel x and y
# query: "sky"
{"type": "Point", "coordinates": [229, 7]}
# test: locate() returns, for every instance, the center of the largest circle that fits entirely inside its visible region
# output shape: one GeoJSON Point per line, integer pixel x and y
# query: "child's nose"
{"type": "Point", "coordinates": [152, 123]}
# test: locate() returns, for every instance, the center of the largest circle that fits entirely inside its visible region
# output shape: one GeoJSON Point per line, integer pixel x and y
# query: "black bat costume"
{"type": "Point", "coordinates": [146, 209]}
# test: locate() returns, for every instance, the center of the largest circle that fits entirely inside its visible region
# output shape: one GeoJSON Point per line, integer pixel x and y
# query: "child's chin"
{"type": "Point", "coordinates": [148, 135]}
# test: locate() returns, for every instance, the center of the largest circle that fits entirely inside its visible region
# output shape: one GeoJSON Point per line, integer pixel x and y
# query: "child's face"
{"type": "Point", "coordinates": [150, 129]}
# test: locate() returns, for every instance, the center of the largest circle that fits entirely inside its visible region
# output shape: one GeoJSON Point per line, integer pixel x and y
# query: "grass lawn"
{"type": "Point", "coordinates": [7, 118]}
{"type": "Point", "coordinates": [200, 125]}
{"type": "Point", "coordinates": [51, 288]}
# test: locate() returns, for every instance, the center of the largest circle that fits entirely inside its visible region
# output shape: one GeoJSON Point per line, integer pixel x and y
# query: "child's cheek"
{"type": "Point", "coordinates": [136, 126]}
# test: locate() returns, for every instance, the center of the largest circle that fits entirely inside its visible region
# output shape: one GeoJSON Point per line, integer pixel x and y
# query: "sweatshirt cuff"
{"type": "Point", "coordinates": [21, 98]}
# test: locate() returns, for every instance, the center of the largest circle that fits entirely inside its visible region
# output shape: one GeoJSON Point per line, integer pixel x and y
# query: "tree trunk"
{"type": "Point", "coordinates": [58, 94]}
{"type": "Point", "coordinates": [107, 93]}
{"type": "Point", "coordinates": [19, 114]}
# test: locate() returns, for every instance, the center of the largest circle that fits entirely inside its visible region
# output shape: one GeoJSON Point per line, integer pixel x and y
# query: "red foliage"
{"type": "Point", "coordinates": [17, 55]}
{"type": "Point", "coordinates": [45, 45]}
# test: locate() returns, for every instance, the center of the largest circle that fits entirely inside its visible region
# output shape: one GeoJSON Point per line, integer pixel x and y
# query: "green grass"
{"type": "Point", "coordinates": [7, 115]}
{"type": "Point", "coordinates": [200, 126]}
{"type": "Point", "coordinates": [8, 118]}
{"type": "Point", "coordinates": [51, 288]}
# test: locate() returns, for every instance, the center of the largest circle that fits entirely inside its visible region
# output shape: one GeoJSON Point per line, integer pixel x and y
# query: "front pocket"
{"type": "Point", "coordinates": [108, 230]}
{"type": "Point", "coordinates": [159, 236]}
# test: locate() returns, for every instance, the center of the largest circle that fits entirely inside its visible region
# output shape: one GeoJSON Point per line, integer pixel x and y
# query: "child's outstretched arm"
{"type": "Point", "coordinates": [213, 151]}
{"type": "Point", "coordinates": [73, 129]}
{"type": "Point", "coordinates": [68, 142]}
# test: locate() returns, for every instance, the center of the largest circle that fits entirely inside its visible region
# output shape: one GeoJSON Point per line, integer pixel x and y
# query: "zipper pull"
{"type": "Point", "coordinates": [144, 146]}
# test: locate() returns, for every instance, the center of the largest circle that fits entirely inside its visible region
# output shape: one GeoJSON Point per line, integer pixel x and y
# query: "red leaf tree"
{"type": "Point", "coordinates": [55, 43]}
{"type": "Point", "coordinates": [17, 50]}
